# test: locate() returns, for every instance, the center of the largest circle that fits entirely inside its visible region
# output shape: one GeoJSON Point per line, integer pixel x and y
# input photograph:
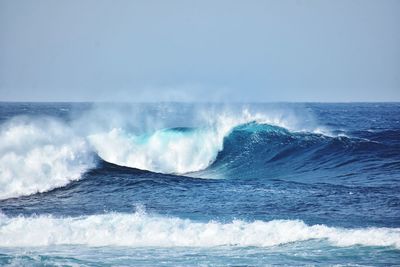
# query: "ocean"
{"type": "Point", "coordinates": [202, 184]}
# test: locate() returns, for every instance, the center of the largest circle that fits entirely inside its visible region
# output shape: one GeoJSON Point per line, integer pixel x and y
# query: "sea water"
{"type": "Point", "coordinates": [175, 184]}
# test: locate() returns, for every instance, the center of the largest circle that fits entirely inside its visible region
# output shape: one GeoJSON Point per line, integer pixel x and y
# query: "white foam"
{"type": "Point", "coordinates": [141, 230]}
{"type": "Point", "coordinates": [168, 151]}
{"type": "Point", "coordinates": [39, 155]}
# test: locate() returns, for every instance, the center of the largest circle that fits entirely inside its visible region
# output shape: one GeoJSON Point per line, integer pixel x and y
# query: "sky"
{"type": "Point", "coordinates": [208, 51]}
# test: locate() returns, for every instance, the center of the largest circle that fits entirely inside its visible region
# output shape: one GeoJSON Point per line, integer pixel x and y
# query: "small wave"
{"type": "Point", "coordinates": [142, 230]}
{"type": "Point", "coordinates": [39, 155]}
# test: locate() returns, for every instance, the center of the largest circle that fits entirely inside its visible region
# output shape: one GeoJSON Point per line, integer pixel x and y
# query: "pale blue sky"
{"type": "Point", "coordinates": [226, 50]}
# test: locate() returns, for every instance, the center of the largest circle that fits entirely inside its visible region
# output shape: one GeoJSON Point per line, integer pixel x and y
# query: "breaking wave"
{"type": "Point", "coordinates": [174, 150]}
{"type": "Point", "coordinates": [142, 230]}
{"type": "Point", "coordinates": [39, 155]}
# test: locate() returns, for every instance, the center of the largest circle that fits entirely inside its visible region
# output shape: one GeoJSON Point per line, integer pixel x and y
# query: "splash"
{"type": "Point", "coordinates": [39, 155]}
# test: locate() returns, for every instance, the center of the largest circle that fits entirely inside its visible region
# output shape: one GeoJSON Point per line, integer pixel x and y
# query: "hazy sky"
{"type": "Point", "coordinates": [125, 50]}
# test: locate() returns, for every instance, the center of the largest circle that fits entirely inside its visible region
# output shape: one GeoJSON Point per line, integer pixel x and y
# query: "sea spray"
{"type": "Point", "coordinates": [39, 154]}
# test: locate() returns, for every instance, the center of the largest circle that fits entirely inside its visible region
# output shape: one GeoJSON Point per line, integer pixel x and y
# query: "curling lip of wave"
{"type": "Point", "coordinates": [175, 151]}
{"type": "Point", "coordinates": [141, 230]}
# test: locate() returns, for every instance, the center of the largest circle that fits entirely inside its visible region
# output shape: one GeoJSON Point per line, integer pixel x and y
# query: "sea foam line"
{"type": "Point", "coordinates": [142, 230]}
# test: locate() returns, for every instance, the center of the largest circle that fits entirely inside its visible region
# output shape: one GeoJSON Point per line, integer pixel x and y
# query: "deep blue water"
{"type": "Point", "coordinates": [199, 184]}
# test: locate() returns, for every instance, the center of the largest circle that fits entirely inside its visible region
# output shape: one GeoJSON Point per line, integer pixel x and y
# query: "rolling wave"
{"type": "Point", "coordinates": [183, 150]}
{"type": "Point", "coordinates": [172, 150]}
{"type": "Point", "coordinates": [142, 230]}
